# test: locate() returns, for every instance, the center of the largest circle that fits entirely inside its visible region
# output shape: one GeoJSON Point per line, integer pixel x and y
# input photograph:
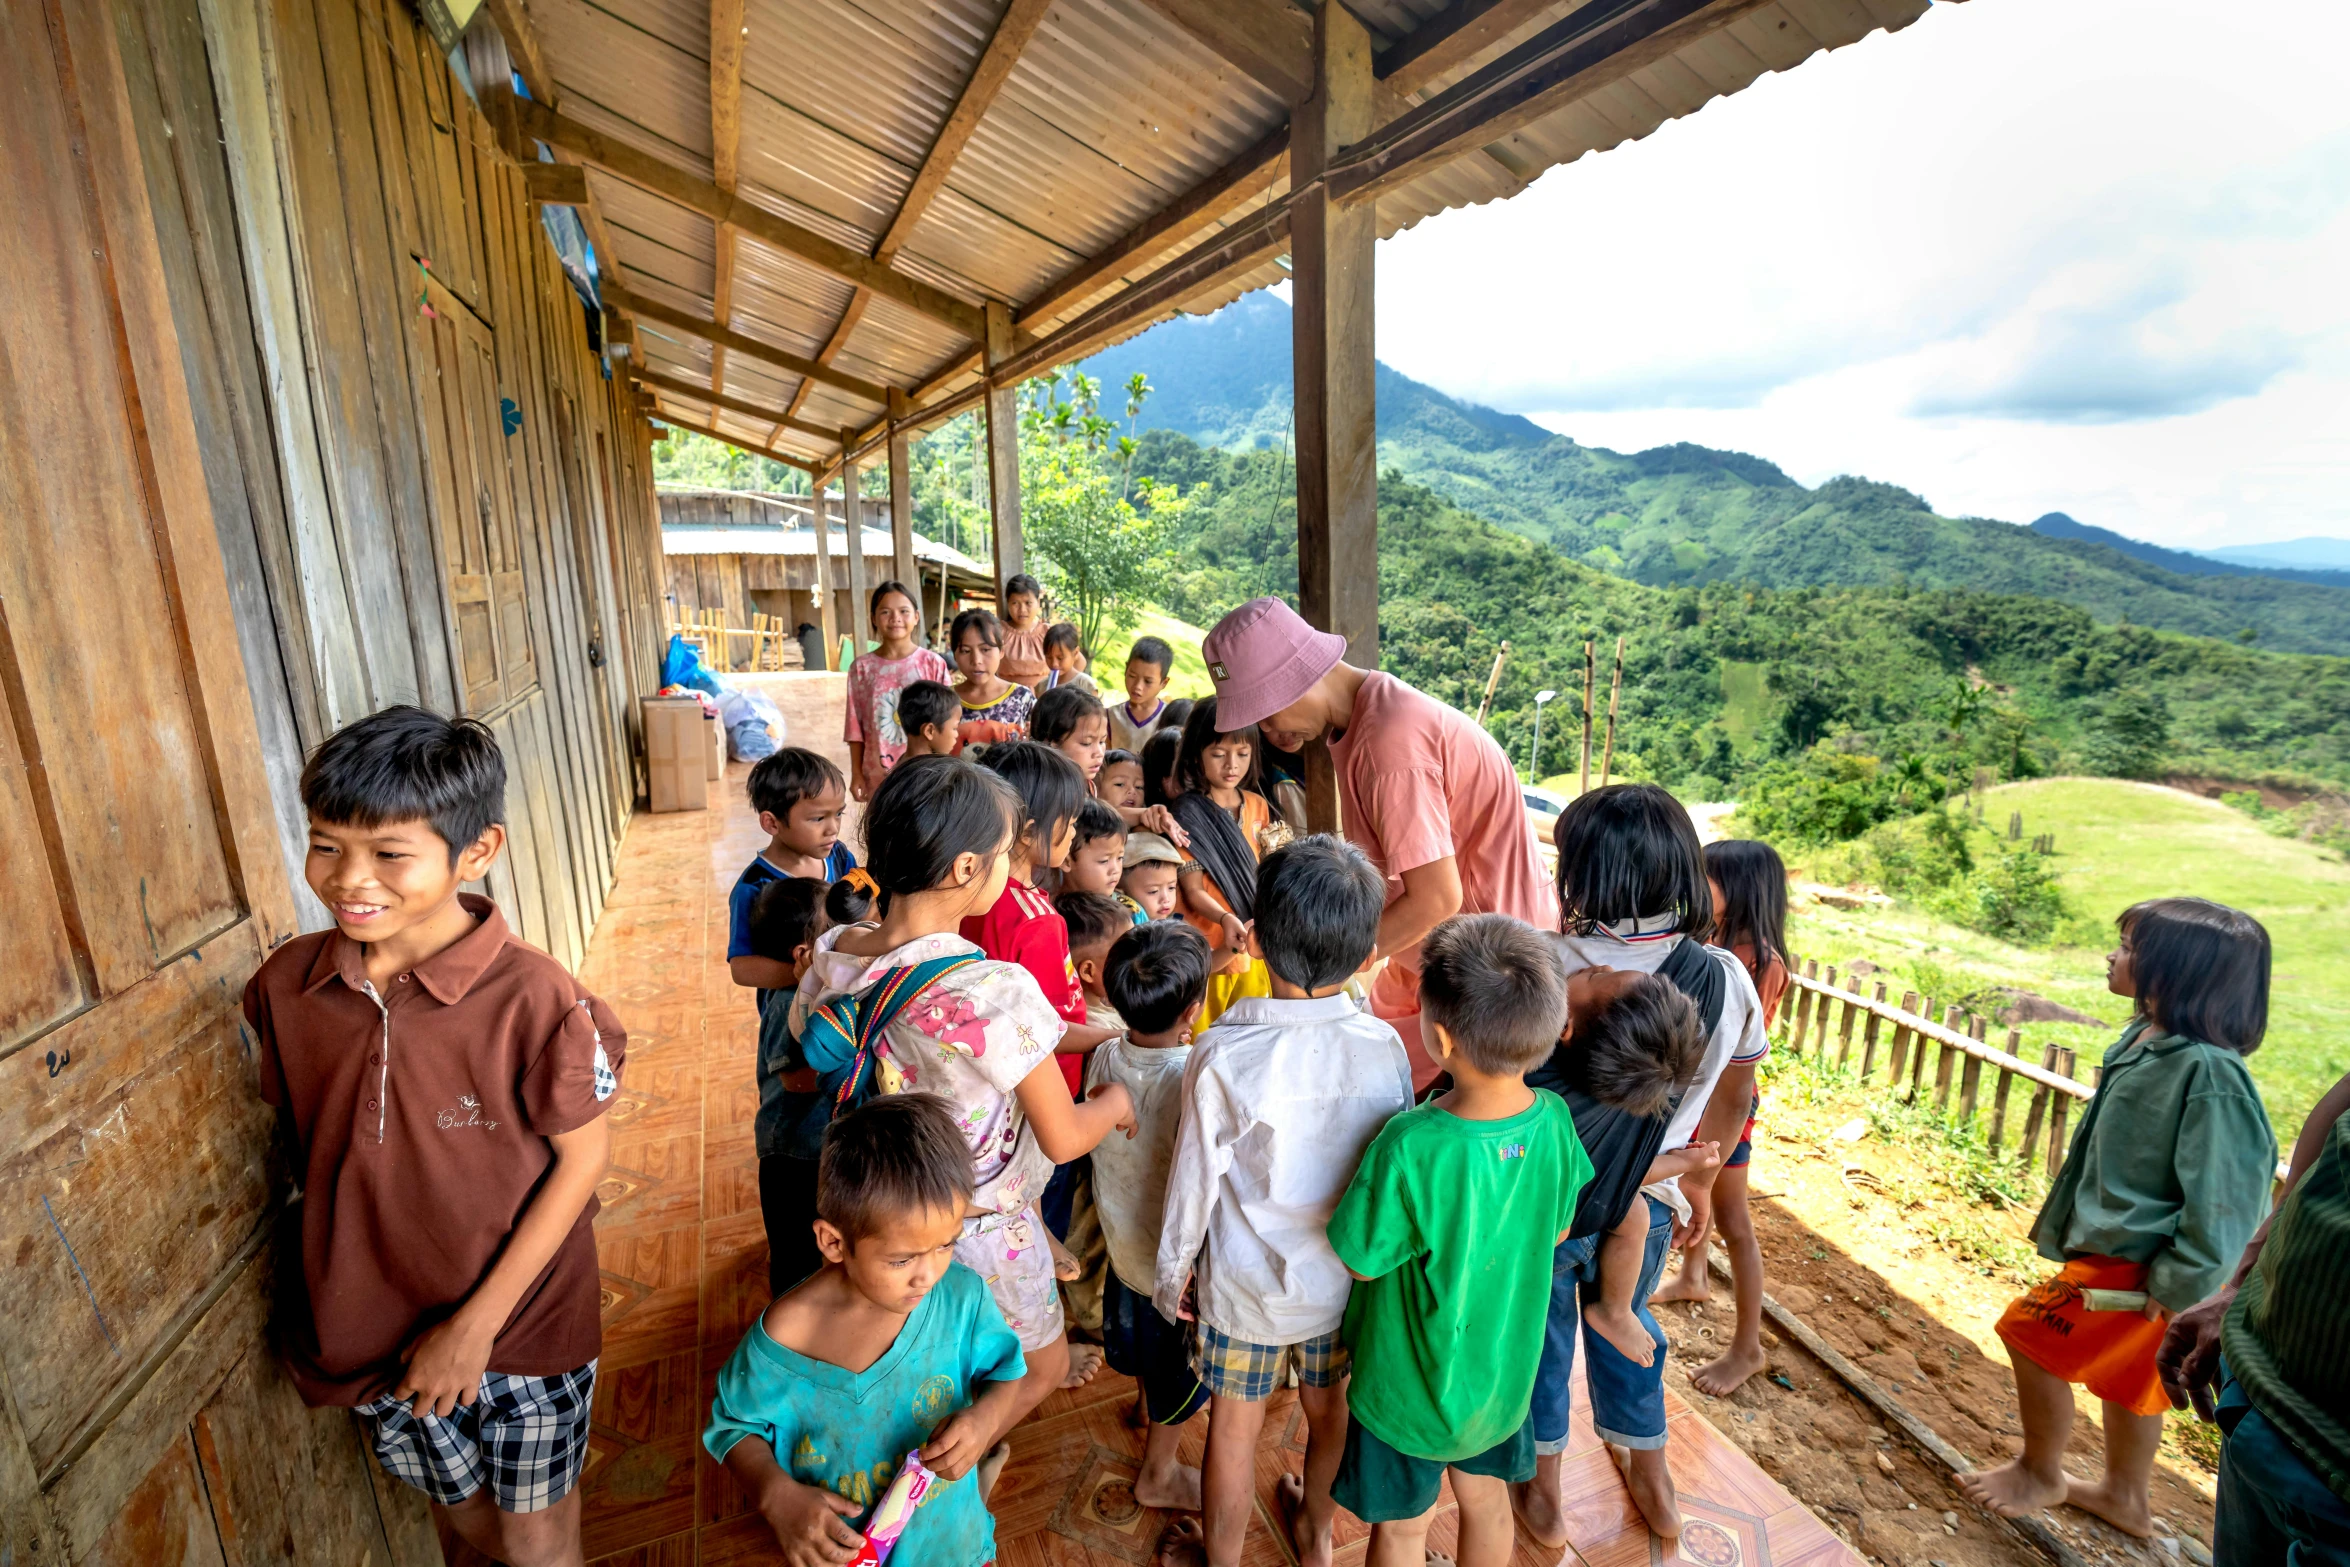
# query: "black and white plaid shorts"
{"type": "Point", "coordinates": [526, 1438]}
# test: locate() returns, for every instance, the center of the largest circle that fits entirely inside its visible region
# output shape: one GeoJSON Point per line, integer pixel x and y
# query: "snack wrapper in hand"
{"type": "Point", "coordinates": [894, 1511]}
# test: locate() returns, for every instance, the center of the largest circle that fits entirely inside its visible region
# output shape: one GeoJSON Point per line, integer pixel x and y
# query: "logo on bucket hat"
{"type": "Point", "coordinates": [1217, 670]}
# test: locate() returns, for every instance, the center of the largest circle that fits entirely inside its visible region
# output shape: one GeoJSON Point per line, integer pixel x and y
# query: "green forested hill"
{"type": "Point", "coordinates": [1688, 515]}
{"type": "Point", "coordinates": [1722, 679]}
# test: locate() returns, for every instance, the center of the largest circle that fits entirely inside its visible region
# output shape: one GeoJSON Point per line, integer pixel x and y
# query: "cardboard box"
{"type": "Point", "coordinates": [676, 753]}
{"type": "Point", "coordinates": [717, 747]}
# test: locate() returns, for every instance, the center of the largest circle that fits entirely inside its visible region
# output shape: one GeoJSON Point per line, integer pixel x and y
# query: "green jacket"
{"type": "Point", "coordinates": [2171, 1167]}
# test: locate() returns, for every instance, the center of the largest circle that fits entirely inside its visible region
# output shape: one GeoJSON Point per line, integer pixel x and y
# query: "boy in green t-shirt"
{"type": "Point", "coordinates": [1449, 1226]}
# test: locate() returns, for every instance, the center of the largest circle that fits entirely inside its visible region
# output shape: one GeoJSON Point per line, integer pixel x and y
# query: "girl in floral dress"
{"type": "Point", "coordinates": [939, 834]}
{"type": "Point", "coordinates": [876, 738]}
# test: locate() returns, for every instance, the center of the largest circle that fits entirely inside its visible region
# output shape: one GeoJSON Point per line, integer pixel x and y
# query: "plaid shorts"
{"type": "Point", "coordinates": [1235, 1368]}
{"type": "Point", "coordinates": [526, 1438]}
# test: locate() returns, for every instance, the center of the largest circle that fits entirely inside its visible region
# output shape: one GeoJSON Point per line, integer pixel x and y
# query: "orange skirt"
{"type": "Point", "coordinates": [2109, 1352]}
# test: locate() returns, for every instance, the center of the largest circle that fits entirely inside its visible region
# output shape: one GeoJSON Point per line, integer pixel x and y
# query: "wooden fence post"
{"type": "Point", "coordinates": [2015, 1047]}
{"type": "Point", "coordinates": [2041, 1093]}
{"type": "Point", "coordinates": [1868, 1039]}
{"type": "Point", "coordinates": [1902, 1035]}
{"type": "Point", "coordinates": [1844, 1032]}
{"type": "Point", "coordinates": [1820, 1014]}
{"type": "Point", "coordinates": [2058, 1117]}
{"type": "Point", "coordinates": [1811, 970]}
{"type": "Point", "coordinates": [1917, 1055]}
{"type": "Point", "coordinates": [1970, 1081]}
{"type": "Point", "coordinates": [1945, 1058]}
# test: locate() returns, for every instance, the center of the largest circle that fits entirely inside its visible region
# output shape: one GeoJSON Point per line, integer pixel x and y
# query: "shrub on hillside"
{"type": "Point", "coordinates": [1820, 796]}
{"type": "Point", "coordinates": [2128, 736]}
{"type": "Point", "coordinates": [2013, 897]}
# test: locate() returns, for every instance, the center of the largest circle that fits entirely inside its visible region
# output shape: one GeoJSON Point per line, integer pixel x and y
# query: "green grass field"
{"type": "Point", "coordinates": [2116, 843]}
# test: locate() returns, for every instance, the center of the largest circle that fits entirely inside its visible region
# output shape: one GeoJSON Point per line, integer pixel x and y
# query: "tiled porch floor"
{"type": "Point", "coordinates": [684, 1268]}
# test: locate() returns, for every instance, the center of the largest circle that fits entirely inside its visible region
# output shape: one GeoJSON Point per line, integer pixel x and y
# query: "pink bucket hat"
{"type": "Point", "coordinates": [1263, 656]}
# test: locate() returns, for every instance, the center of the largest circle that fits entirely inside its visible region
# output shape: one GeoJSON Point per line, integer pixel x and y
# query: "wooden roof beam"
{"type": "Point", "coordinates": [733, 405]}
{"type": "Point", "coordinates": [726, 139]}
{"type": "Point", "coordinates": [1451, 39]}
{"type": "Point", "coordinates": [753, 447]}
{"type": "Point", "coordinates": [1013, 30]}
{"type": "Point", "coordinates": [700, 195]}
{"type": "Point", "coordinates": [1271, 42]}
{"type": "Point", "coordinates": [523, 44]}
{"type": "Point", "coordinates": [1601, 43]}
{"type": "Point", "coordinates": [723, 337]}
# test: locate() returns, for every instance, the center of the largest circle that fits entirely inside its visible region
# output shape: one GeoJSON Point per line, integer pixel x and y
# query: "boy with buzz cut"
{"type": "Point", "coordinates": [1281, 1098]}
{"type": "Point", "coordinates": [891, 1348]}
{"type": "Point", "coordinates": [800, 798]}
{"type": "Point", "coordinates": [442, 1088]}
{"type": "Point", "coordinates": [932, 716]}
{"type": "Point", "coordinates": [1449, 1225]}
{"type": "Point", "coordinates": [1136, 719]}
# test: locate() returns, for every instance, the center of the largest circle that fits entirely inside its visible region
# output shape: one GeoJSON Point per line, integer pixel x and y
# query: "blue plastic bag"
{"type": "Point", "coordinates": [683, 667]}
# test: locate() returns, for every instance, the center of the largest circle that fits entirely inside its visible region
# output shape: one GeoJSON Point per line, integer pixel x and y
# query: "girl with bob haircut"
{"type": "Point", "coordinates": [1748, 881]}
{"type": "Point", "coordinates": [872, 727]}
{"type": "Point", "coordinates": [1001, 708]}
{"type": "Point", "coordinates": [2167, 1179]}
{"type": "Point", "coordinates": [941, 834]}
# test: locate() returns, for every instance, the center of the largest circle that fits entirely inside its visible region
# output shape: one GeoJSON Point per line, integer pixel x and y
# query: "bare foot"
{"type": "Point", "coordinates": [1066, 1267]}
{"type": "Point", "coordinates": [1622, 1327]}
{"type": "Point", "coordinates": [1651, 1485]}
{"type": "Point", "coordinates": [1289, 1497]}
{"type": "Point", "coordinates": [1688, 1284]}
{"type": "Point", "coordinates": [1540, 1512]}
{"type": "Point", "coordinates": [1721, 1377]}
{"type": "Point", "coordinates": [2130, 1514]}
{"type": "Point", "coordinates": [2011, 1490]}
{"type": "Point", "coordinates": [1085, 1363]}
{"type": "Point", "coordinates": [1176, 1491]}
{"type": "Point", "coordinates": [1183, 1545]}
{"type": "Point", "coordinates": [992, 1466]}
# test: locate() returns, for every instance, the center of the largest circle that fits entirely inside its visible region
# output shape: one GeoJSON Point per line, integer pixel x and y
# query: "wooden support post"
{"type": "Point", "coordinates": [1944, 1059]}
{"type": "Point", "coordinates": [1868, 1040]}
{"type": "Point", "coordinates": [2015, 1047]}
{"type": "Point", "coordinates": [2041, 1093]}
{"type": "Point", "coordinates": [1333, 365]}
{"type": "Point", "coordinates": [1590, 690]}
{"type": "Point", "coordinates": [827, 623]}
{"type": "Point", "coordinates": [1970, 1087]}
{"type": "Point", "coordinates": [901, 507]}
{"type": "Point", "coordinates": [1844, 1035]}
{"type": "Point", "coordinates": [1003, 451]}
{"type": "Point", "coordinates": [1917, 1057]}
{"type": "Point", "coordinates": [852, 511]}
{"type": "Point", "coordinates": [1485, 703]}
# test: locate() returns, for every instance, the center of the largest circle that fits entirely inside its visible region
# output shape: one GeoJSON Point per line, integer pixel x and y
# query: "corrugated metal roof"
{"type": "Point", "coordinates": [1111, 114]}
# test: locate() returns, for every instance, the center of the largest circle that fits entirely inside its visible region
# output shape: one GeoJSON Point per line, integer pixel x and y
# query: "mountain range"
{"type": "Point", "coordinates": [1686, 514]}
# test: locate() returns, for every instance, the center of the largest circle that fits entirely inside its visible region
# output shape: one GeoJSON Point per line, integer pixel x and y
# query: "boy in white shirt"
{"type": "Point", "coordinates": [1281, 1098]}
{"type": "Point", "coordinates": [1157, 976]}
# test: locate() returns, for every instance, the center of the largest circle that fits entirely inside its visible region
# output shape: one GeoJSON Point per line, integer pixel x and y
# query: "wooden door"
{"type": "Point", "coordinates": [480, 541]}
{"type": "Point", "coordinates": [142, 886]}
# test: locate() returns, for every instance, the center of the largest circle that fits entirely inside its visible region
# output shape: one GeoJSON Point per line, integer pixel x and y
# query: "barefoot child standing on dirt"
{"type": "Point", "coordinates": [1446, 1229]}
{"type": "Point", "coordinates": [2166, 1181]}
{"type": "Point", "coordinates": [1281, 1098]}
{"type": "Point", "coordinates": [1750, 907]}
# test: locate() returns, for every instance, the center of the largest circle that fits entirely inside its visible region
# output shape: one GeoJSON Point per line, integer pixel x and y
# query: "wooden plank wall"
{"type": "Point", "coordinates": [231, 479]}
{"type": "Point", "coordinates": [350, 186]}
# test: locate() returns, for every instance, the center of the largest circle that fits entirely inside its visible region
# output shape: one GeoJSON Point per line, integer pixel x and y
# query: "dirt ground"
{"type": "Point", "coordinates": [1869, 1245]}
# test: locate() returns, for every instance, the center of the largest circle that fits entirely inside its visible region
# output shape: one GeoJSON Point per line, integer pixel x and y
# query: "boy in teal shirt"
{"type": "Point", "coordinates": [890, 1348]}
{"type": "Point", "coordinates": [1449, 1227]}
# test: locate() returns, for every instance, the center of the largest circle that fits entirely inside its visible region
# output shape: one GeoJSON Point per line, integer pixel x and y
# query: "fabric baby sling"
{"type": "Point", "coordinates": [839, 1038]}
{"type": "Point", "coordinates": [1222, 850]}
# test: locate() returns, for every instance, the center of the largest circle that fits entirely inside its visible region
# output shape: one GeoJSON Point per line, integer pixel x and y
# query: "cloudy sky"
{"type": "Point", "coordinates": [2028, 255]}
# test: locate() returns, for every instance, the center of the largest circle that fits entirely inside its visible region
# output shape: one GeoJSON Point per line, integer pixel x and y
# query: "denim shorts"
{"type": "Point", "coordinates": [1627, 1400]}
{"type": "Point", "coordinates": [2273, 1508]}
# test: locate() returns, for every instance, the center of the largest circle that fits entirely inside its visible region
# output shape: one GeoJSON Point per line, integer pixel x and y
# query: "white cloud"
{"type": "Point", "coordinates": [2027, 255]}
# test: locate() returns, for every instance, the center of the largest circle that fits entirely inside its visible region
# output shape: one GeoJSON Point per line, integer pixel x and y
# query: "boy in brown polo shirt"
{"type": "Point", "coordinates": [443, 1088]}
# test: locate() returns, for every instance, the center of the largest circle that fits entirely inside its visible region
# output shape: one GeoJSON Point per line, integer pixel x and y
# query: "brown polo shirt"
{"type": "Point", "coordinates": [424, 1112]}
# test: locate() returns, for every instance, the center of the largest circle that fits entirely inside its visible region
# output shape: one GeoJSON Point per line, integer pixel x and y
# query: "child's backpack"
{"type": "Point", "coordinates": [839, 1037]}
